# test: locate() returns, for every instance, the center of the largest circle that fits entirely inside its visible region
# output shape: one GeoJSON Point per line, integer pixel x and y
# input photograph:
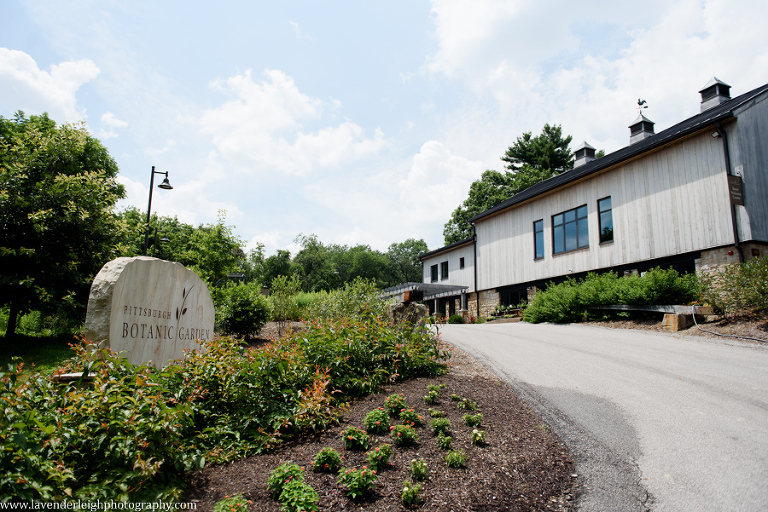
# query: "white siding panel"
{"type": "Point", "coordinates": [456, 276]}
{"type": "Point", "coordinates": [669, 202]}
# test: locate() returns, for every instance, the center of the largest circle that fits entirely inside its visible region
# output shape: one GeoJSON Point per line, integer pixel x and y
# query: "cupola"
{"type": "Point", "coordinates": [714, 93]}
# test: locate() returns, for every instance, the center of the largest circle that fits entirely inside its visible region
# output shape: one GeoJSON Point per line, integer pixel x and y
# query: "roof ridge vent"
{"type": "Point", "coordinates": [583, 154]}
{"type": "Point", "coordinates": [714, 93]}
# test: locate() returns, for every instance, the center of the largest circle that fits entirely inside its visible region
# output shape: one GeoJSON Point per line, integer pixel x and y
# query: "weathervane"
{"type": "Point", "coordinates": [641, 104]}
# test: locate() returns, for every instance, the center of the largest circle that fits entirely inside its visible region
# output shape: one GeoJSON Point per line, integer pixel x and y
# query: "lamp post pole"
{"type": "Point", "coordinates": [164, 185]}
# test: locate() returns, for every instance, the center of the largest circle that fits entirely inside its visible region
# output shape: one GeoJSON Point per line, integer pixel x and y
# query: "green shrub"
{"type": "Point", "coordinates": [440, 426]}
{"type": "Point", "coordinates": [281, 476]}
{"type": "Point", "coordinates": [357, 300]}
{"type": "Point", "coordinates": [358, 483]}
{"type": "Point", "coordinates": [282, 294]}
{"type": "Point", "coordinates": [411, 417]}
{"type": "Point", "coordinates": [455, 459]}
{"type": "Point", "coordinates": [738, 290]}
{"type": "Point", "coordinates": [243, 310]}
{"type": "Point", "coordinates": [410, 495]}
{"type": "Point", "coordinates": [473, 420]}
{"type": "Point", "coordinates": [355, 439]}
{"type": "Point", "coordinates": [236, 503]}
{"type": "Point", "coordinates": [444, 441]}
{"type": "Point", "coordinates": [419, 470]}
{"type": "Point", "coordinates": [327, 460]}
{"type": "Point", "coordinates": [298, 496]}
{"type": "Point", "coordinates": [403, 435]}
{"type": "Point", "coordinates": [376, 421]}
{"type": "Point", "coordinates": [395, 404]}
{"type": "Point", "coordinates": [478, 437]}
{"type": "Point", "coordinates": [456, 319]}
{"type": "Point", "coordinates": [379, 456]}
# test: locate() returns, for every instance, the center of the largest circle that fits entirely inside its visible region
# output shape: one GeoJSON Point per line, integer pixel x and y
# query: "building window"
{"type": "Point", "coordinates": [433, 270]}
{"type": "Point", "coordinates": [444, 270]}
{"type": "Point", "coordinates": [570, 230]}
{"type": "Point", "coordinates": [605, 211]}
{"type": "Point", "coordinates": [461, 262]}
{"type": "Point", "coordinates": [538, 239]}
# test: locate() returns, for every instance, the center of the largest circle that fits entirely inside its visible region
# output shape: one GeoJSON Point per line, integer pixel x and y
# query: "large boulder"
{"type": "Point", "coordinates": [413, 313]}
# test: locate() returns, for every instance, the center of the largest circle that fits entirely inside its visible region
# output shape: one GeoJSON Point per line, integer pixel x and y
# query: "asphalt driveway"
{"type": "Point", "coordinates": [661, 422]}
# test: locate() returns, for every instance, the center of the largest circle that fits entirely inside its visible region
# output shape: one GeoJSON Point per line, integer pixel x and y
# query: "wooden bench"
{"type": "Point", "coordinates": [675, 317]}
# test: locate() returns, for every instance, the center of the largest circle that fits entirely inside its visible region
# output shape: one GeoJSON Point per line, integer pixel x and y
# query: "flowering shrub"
{"type": "Point", "coordinates": [467, 405]}
{"type": "Point", "coordinates": [478, 437]}
{"type": "Point", "coordinates": [327, 460]}
{"type": "Point", "coordinates": [455, 397]}
{"type": "Point", "coordinates": [440, 426]}
{"type": "Point", "coordinates": [419, 470]}
{"type": "Point", "coordinates": [455, 459]}
{"type": "Point", "coordinates": [281, 476]}
{"type": "Point", "coordinates": [234, 503]}
{"type": "Point", "coordinates": [358, 482]}
{"type": "Point", "coordinates": [444, 442]}
{"type": "Point", "coordinates": [411, 417]}
{"type": "Point", "coordinates": [376, 422]}
{"type": "Point", "coordinates": [473, 420]}
{"type": "Point", "coordinates": [379, 456]}
{"type": "Point", "coordinates": [298, 497]}
{"type": "Point", "coordinates": [394, 404]}
{"type": "Point", "coordinates": [403, 435]}
{"type": "Point", "coordinates": [410, 494]}
{"type": "Point", "coordinates": [355, 439]}
{"type": "Point", "coordinates": [434, 413]}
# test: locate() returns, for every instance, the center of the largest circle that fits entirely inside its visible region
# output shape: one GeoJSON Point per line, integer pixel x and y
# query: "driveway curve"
{"type": "Point", "coordinates": [656, 421]}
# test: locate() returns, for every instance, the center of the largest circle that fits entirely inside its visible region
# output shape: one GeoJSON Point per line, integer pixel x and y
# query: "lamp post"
{"type": "Point", "coordinates": [165, 185]}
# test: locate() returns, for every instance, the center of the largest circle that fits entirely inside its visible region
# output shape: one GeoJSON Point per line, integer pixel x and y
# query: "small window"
{"type": "Point", "coordinates": [605, 211]}
{"type": "Point", "coordinates": [538, 239]}
{"type": "Point", "coordinates": [570, 230]}
{"type": "Point", "coordinates": [461, 262]}
{"type": "Point", "coordinates": [433, 270]}
{"type": "Point", "coordinates": [444, 270]}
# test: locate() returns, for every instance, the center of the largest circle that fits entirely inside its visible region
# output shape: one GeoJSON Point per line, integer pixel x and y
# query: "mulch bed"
{"type": "Point", "coordinates": [523, 467]}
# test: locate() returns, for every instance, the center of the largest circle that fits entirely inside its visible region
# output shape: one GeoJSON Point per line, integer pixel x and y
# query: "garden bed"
{"type": "Point", "coordinates": [522, 467]}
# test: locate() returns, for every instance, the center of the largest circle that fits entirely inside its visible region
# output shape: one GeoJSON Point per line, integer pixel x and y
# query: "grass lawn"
{"type": "Point", "coordinates": [44, 352]}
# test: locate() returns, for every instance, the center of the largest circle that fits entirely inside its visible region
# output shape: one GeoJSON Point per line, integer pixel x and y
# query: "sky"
{"type": "Point", "coordinates": [361, 122]}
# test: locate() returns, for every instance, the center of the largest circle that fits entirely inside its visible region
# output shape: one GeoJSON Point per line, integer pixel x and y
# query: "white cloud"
{"type": "Point", "coordinates": [109, 122]}
{"type": "Point", "coordinates": [263, 128]}
{"type": "Point", "coordinates": [26, 87]}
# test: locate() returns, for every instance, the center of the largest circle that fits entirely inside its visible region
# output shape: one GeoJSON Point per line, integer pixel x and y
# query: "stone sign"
{"type": "Point", "coordinates": [150, 309]}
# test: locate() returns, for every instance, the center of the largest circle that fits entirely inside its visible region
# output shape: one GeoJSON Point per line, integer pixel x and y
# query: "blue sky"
{"type": "Point", "coordinates": [360, 122]}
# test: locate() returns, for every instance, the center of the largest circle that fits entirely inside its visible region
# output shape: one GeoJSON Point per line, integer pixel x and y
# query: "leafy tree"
{"type": "Point", "coordinates": [530, 160]}
{"type": "Point", "coordinates": [549, 150]}
{"type": "Point", "coordinates": [58, 190]}
{"type": "Point", "coordinates": [278, 264]}
{"type": "Point", "coordinates": [313, 264]}
{"type": "Point", "coordinates": [214, 251]}
{"type": "Point", "coordinates": [404, 263]}
{"type": "Point", "coordinates": [242, 311]}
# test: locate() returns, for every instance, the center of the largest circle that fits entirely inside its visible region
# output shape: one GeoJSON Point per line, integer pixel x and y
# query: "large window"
{"type": "Point", "coordinates": [570, 230]}
{"type": "Point", "coordinates": [444, 270]}
{"type": "Point", "coordinates": [605, 211]}
{"type": "Point", "coordinates": [538, 239]}
{"type": "Point", "coordinates": [433, 271]}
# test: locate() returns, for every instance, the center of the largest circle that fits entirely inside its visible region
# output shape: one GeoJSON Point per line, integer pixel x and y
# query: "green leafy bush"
{"type": "Point", "coordinates": [395, 404]}
{"type": "Point", "coordinates": [419, 470]}
{"type": "Point", "coordinates": [282, 475]}
{"type": "Point", "coordinates": [283, 292]}
{"type": "Point", "coordinates": [327, 460]}
{"type": "Point", "coordinates": [236, 503]}
{"type": "Point", "coordinates": [456, 459]}
{"type": "Point", "coordinates": [357, 300]}
{"type": "Point", "coordinates": [568, 301]}
{"type": "Point", "coordinates": [473, 420]}
{"type": "Point", "coordinates": [243, 310]}
{"type": "Point", "coordinates": [358, 483]}
{"type": "Point", "coordinates": [410, 495]}
{"type": "Point", "coordinates": [478, 437]}
{"type": "Point", "coordinates": [444, 441]}
{"type": "Point", "coordinates": [355, 439]}
{"type": "Point", "coordinates": [440, 426]}
{"type": "Point", "coordinates": [376, 422]}
{"type": "Point", "coordinates": [436, 413]}
{"type": "Point", "coordinates": [456, 319]}
{"type": "Point", "coordinates": [738, 290]}
{"type": "Point", "coordinates": [411, 417]}
{"type": "Point", "coordinates": [298, 496]}
{"type": "Point", "coordinates": [403, 435]}
{"type": "Point", "coordinates": [379, 456]}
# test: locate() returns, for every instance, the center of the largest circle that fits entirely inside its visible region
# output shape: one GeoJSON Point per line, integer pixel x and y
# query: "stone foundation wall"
{"type": "Point", "coordinates": [489, 299]}
{"type": "Point", "coordinates": [715, 259]}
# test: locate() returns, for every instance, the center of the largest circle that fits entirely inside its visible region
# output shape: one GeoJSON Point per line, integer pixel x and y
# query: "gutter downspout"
{"type": "Point", "coordinates": [474, 256]}
{"type": "Point", "coordinates": [734, 222]}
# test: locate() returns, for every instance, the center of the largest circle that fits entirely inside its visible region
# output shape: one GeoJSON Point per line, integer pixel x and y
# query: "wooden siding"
{"type": "Point", "coordinates": [749, 150]}
{"type": "Point", "coordinates": [671, 201]}
{"type": "Point", "coordinates": [456, 276]}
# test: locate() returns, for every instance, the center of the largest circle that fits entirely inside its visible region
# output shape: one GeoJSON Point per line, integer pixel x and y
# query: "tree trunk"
{"type": "Point", "coordinates": [13, 315]}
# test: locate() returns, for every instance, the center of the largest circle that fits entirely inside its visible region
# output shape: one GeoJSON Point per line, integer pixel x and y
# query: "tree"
{"type": "Point", "coordinates": [530, 160]}
{"type": "Point", "coordinates": [214, 251]}
{"type": "Point", "coordinates": [279, 264]}
{"type": "Point", "coordinates": [549, 150]}
{"type": "Point", "coordinates": [404, 263]}
{"type": "Point", "coordinates": [58, 190]}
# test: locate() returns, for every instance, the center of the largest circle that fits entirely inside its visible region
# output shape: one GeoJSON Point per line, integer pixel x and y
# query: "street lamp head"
{"type": "Point", "coordinates": [166, 185]}
{"type": "Point", "coordinates": [165, 238]}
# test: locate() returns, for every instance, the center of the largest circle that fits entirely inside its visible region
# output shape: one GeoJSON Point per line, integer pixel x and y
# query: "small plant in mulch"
{"type": "Point", "coordinates": [410, 495]}
{"type": "Point", "coordinates": [236, 503]}
{"type": "Point", "coordinates": [298, 497]}
{"type": "Point", "coordinates": [394, 404]}
{"type": "Point", "coordinates": [440, 426]}
{"type": "Point", "coordinates": [376, 421]}
{"type": "Point", "coordinates": [282, 475]}
{"type": "Point", "coordinates": [455, 397]}
{"type": "Point", "coordinates": [419, 470]}
{"type": "Point", "coordinates": [455, 459]}
{"type": "Point", "coordinates": [435, 413]}
{"type": "Point", "coordinates": [467, 405]}
{"type": "Point", "coordinates": [379, 456]}
{"type": "Point", "coordinates": [478, 437]}
{"type": "Point", "coordinates": [411, 417]}
{"type": "Point", "coordinates": [444, 442]}
{"type": "Point", "coordinates": [473, 420]}
{"type": "Point", "coordinates": [403, 435]}
{"type": "Point", "coordinates": [355, 439]}
{"type": "Point", "coordinates": [431, 397]}
{"type": "Point", "coordinates": [358, 483]}
{"type": "Point", "coordinates": [327, 460]}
